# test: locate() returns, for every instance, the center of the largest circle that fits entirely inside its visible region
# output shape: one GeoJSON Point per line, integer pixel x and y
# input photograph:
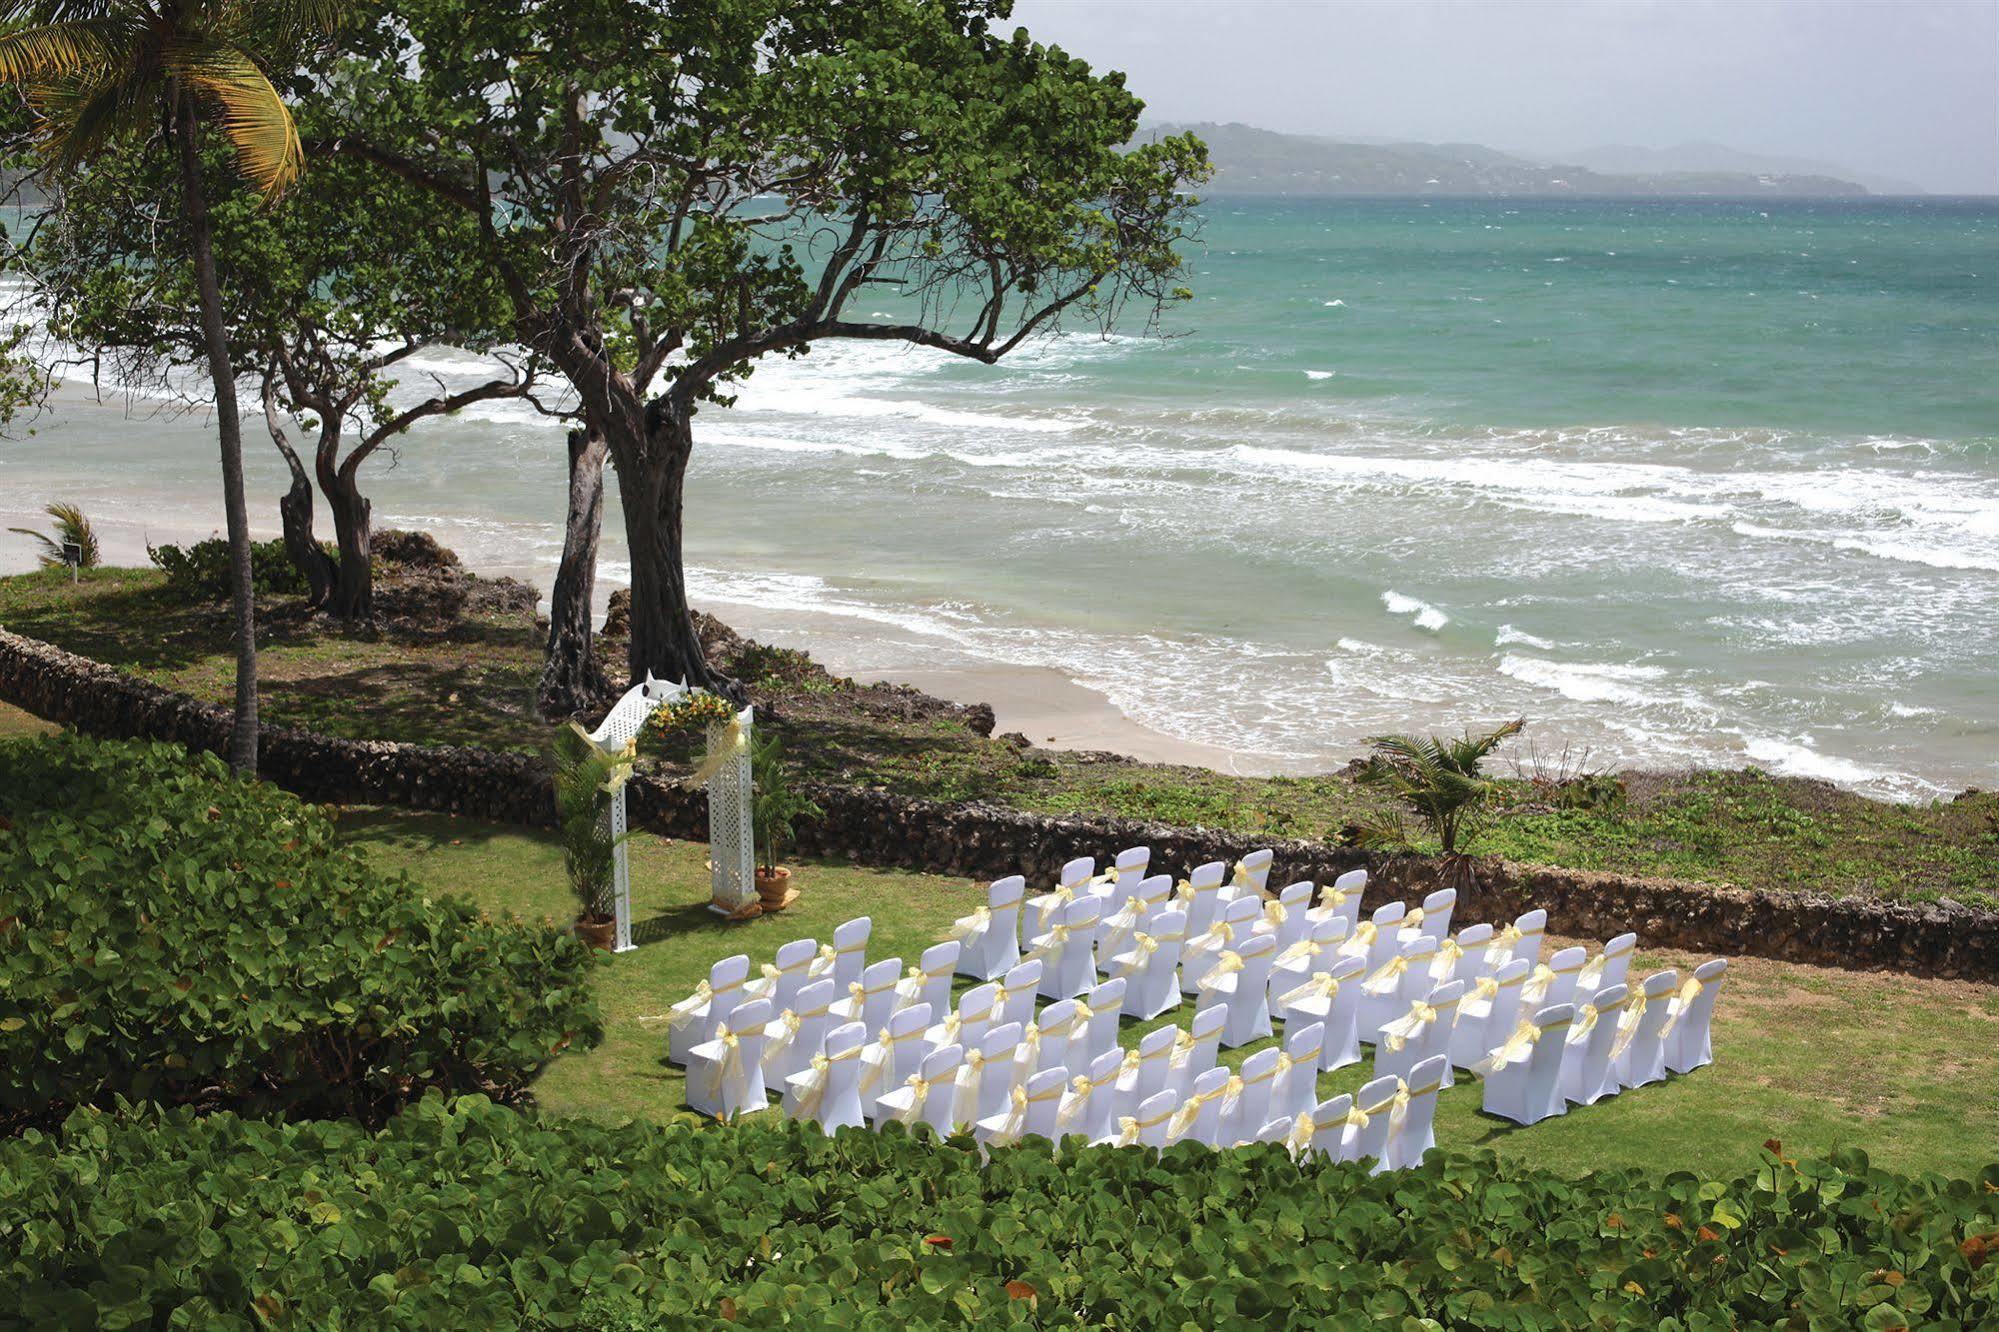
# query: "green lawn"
{"type": "Point", "coordinates": [474, 684]}
{"type": "Point", "coordinates": [1820, 1059]}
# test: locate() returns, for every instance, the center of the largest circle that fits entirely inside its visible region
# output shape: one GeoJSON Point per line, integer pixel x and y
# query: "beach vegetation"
{"type": "Point", "coordinates": [200, 570]}
{"type": "Point", "coordinates": [72, 532]}
{"type": "Point", "coordinates": [463, 1213]}
{"type": "Point", "coordinates": [102, 77]}
{"type": "Point", "coordinates": [777, 805]}
{"type": "Point", "coordinates": [179, 936]}
{"type": "Point", "coordinates": [1443, 783]}
{"type": "Point", "coordinates": [586, 778]}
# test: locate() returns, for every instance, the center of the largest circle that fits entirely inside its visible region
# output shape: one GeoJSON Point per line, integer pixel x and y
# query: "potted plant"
{"type": "Point", "coordinates": [776, 806]}
{"type": "Point", "coordinates": [585, 779]}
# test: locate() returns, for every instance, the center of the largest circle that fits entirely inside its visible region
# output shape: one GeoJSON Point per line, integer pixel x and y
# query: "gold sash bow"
{"type": "Point", "coordinates": [1634, 1013]}
{"type": "Point", "coordinates": [1303, 1130]}
{"type": "Point", "coordinates": [1679, 1004]}
{"type": "Point", "coordinates": [1387, 977]}
{"type": "Point", "coordinates": [1302, 951]}
{"type": "Point", "coordinates": [1321, 985]}
{"type": "Point", "coordinates": [1397, 1034]}
{"type": "Point", "coordinates": [919, 1088]}
{"type": "Point", "coordinates": [1515, 1048]}
{"type": "Point", "coordinates": [965, 927]}
{"type": "Point", "coordinates": [1412, 919]}
{"type": "Point", "coordinates": [1074, 1104]}
{"type": "Point", "coordinates": [1229, 963]}
{"type": "Point", "coordinates": [812, 1092]}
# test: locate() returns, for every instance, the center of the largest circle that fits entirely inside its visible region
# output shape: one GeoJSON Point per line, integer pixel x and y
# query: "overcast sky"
{"type": "Point", "coordinates": [1908, 89]}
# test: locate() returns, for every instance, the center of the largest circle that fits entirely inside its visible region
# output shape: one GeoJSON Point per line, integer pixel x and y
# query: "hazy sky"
{"type": "Point", "coordinates": [1908, 88]}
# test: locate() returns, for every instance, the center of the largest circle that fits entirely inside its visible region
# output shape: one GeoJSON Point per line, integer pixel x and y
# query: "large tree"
{"type": "Point", "coordinates": [333, 292]}
{"type": "Point", "coordinates": [99, 72]}
{"type": "Point", "coordinates": [672, 190]}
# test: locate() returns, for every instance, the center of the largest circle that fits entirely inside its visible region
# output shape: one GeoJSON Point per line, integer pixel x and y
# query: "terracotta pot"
{"type": "Point", "coordinates": [774, 888]}
{"type": "Point", "coordinates": [599, 934]}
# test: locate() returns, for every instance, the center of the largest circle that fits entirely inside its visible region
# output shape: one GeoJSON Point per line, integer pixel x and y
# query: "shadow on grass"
{"type": "Point", "coordinates": [409, 830]}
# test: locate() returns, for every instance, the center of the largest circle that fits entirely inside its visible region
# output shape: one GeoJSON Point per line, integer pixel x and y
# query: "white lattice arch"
{"type": "Point", "coordinates": [731, 844]}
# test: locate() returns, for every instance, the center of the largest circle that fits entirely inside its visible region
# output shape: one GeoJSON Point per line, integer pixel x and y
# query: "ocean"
{"type": "Point", "coordinates": [1681, 482]}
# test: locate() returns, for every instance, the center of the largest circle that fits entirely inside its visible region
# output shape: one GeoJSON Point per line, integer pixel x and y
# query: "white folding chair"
{"type": "Point", "coordinates": [1433, 917]}
{"type": "Point", "coordinates": [897, 1051]}
{"type": "Point", "coordinates": [1284, 919]}
{"type": "Point", "coordinates": [1093, 1119]}
{"type": "Point", "coordinates": [1148, 1070]}
{"type": "Point", "coordinates": [1332, 1001]}
{"type": "Point", "coordinates": [1017, 991]}
{"type": "Point", "coordinates": [796, 1034]}
{"type": "Point", "coordinates": [1276, 1130]}
{"type": "Point", "coordinates": [1146, 1126]}
{"type": "Point", "coordinates": [1639, 1057]}
{"type": "Point", "coordinates": [1412, 1127]}
{"type": "Point", "coordinates": [1522, 1075]}
{"type": "Point", "coordinates": [1487, 1013]}
{"type": "Point", "coordinates": [1369, 1121]}
{"type": "Point", "coordinates": [1150, 898]}
{"type": "Point", "coordinates": [978, 1009]}
{"type": "Point", "coordinates": [1311, 956]}
{"type": "Point", "coordinates": [1689, 1044]}
{"type": "Point", "coordinates": [928, 1096]}
{"type": "Point", "coordinates": [1067, 968]}
{"type": "Point", "coordinates": [1046, 1043]}
{"type": "Point", "coordinates": [725, 1073]}
{"type": "Point", "coordinates": [1072, 882]}
{"type": "Point", "coordinates": [1328, 1127]}
{"type": "Point", "coordinates": [1390, 988]}
{"type": "Point", "coordinates": [1610, 967]}
{"type": "Point", "coordinates": [1523, 938]}
{"type": "Point", "coordinates": [1463, 956]}
{"type": "Point", "coordinates": [1377, 939]}
{"type": "Point", "coordinates": [1115, 890]}
{"type": "Point", "coordinates": [1296, 1086]}
{"type": "Point", "coordinates": [1231, 929]}
{"type": "Point", "coordinates": [827, 1091]}
{"type": "Point", "coordinates": [990, 1073]}
{"type": "Point", "coordinates": [1201, 896]}
{"type": "Point", "coordinates": [1587, 1076]}
{"type": "Point", "coordinates": [843, 960]}
{"type": "Point", "coordinates": [1150, 968]}
{"type": "Point", "coordinates": [929, 981]}
{"type": "Point", "coordinates": [1031, 1111]}
{"type": "Point", "coordinates": [780, 983]}
{"type": "Point", "coordinates": [1554, 982]}
{"type": "Point", "coordinates": [694, 1019]}
{"type": "Point", "coordinates": [1099, 1012]}
{"type": "Point", "coordinates": [1341, 900]}
{"type": "Point", "coordinates": [870, 1000]}
{"type": "Point", "coordinates": [989, 938]}
{"type": "Point", "coordinates": [1246, 1112]}
{"type": "Point", "coordinates": [1198, 1116]}
{"type": "Point", "coordinates": [1422, 1033]}
{"type": "Point", "coordinates": [1196, 1050]}
{"type": "Point", "coordinates": [1251, 874]}
{"type": "Point", "coordinates": [1242, 989]}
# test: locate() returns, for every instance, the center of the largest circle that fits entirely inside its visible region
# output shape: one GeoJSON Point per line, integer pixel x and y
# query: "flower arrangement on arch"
{"type": "Point", "coordinates": [694, 711]}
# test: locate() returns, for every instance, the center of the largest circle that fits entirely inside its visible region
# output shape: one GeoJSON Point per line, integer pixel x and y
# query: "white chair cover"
{"type": "Point", "coordinates": [1296, 1088]}
{"type": "Point", "coordinates": [928, 1096]}
{"type": "Point", "coordinates": [1421, 1033]}
{"type": "Point", "coordinates": [797, 1034]}
{"type": "Point", "coordinates": [1150, 967]}
{"type": "Point", "coordinates": [1196, 1049]}
{"type": "Point", "coordinates": [978, 1009]}
{"type": "Point", "coordinates": [1242, 988]}
{"type": "Point", "coordinates": [781, 980]}
{"type": "Point", "coordinates": [1554, 982]}
{"type": "Point", "coordinates": [1688, 1042]}
{"type": "Point", "coordinates": [1100, 1010]}
{"type": "Point", "coordinates": [1017, 991]}
{"type": "Point", "coordinates": [990, 1073]}
{"type": "Point", "coordinates": [1488, 1012]}
{"type": "Point", "coordinates": [1412, 1132]}
{"type": "Point", "coordinates": [1462, 957]}
{"type": "Point", "coordinates": [1149, 899]}
{"type": "Point", "coordinates": [827, 1091]}
{"type": "Point", "coordinates": [694, 1019]}
{"type": "Point", "coordinates": [929, 981]}
{"type": "Point", "coordinates": [1030, 1111]}
{"type": "Point", "coordinates": [725, 1073]}
{"type": "Point", "coordinates": [1369, 1121]}
{"type": "Point", "coordinates": [1522, 1074]}
{"type": "Point", "coordinates": [1230, 930]}
{"type": "Point", "coordinates": [1148, 1069]}
{"type": "Point", "coordinates": [1067, 966]}
{"type": "Point", "coordinates": [1586, 1073]}
{"type": "Point", "coordinates": [897, 1051]}
{"type": "Point", "coordinates": [1070, 884]}
{"type": "Point", "coordinates": [1245, 1112]}
{"type": "Point", "coordinates": [1341, 899]}
{"type": "Point", "coordinates": [989, 938]}
{"type": "Point", "coordinates": [1433, 917]}
{"type": "Point", "coordinates": [1332, 1000]}
{"type": "Point", "coordinates": [1639, 1057]}
{"type": "Point", "coordinates": [843, 960]}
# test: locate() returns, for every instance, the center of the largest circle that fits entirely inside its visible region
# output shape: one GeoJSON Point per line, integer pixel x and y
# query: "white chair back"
{"type": "Point", "coordinates": [790, 971]}
{"type": "Point", "coordinates": [898, 1050]}
{"type": "Point", "coordinates": [978, 1009]}
{"type": "Point", "coordinates": [1421, 1033]}
{"type": "Point", "coordinates": [1329, 1126]}
{"type": "Point", "coordinates": [1410, 1138]}
{"type": "Point", "coordinates": [876, 1000]}
{"type": "Point", "coordinates": [830, 1096]}
{"type": "Point", "coordinates": [1333, 1002]}
{"type": "Point", "coordinates": [1241, 1120]}
{"type": "Point", "coordinates": [1296, 1087]}
{"type": "Point", "coordinates": [1586, 1073]}
{"type": "Point", "coordinates": [1556, 983]}
{"type": "Point", "coordinates": [1106, 1006]}
{"type": "Point", "coordinates": [689, 1024]}
{"type": "Point", "coordinates": [1487, 1012]}
{"type": "Point", "coordinates": [1131, 864]}
{"type": "Point", "coordinates": [1383, 942]}
{"type": "Point", "coordinates": [930, 982]}
{"type": "Point", "coordinates": [1253, 870]}
{"type": "Point", "coordinates": [1201, 1111]}
{"type": "Point", "coordinates": [1152, 975]}
{"type": "Point", "coordinates": [1068, 968]}
{"type": "Point", "coordinates": [1151, 1118]}
{"type": "Point", "coordinates": [1229, 930]}
{"type": "Point", "coordinates": [850, 953]}
{"type": "Point", "coordinates": [1528, 1090]}
{"type": "Point", "coordinates": [930, 1098]}
{"type": "Point", "coordinates": [726, 1083]}
{"type": "Point", "coordinates": [986, 1083]}
{"type": "Point", "coordinates": [1463, 958]}
{"type": "Point", "coordinates": [1097, 1117]}
{"type": "Point", "coordinates": [1288, 922]}
{"type": "Point", "coordinates": [1689, 1043]}
{"type": "Point", "coordinates": [1437, 909]}
{"type": "Point", "coordinates": [1204, 886]}
{"type": "Point", "coordinates": [988, 948]}
{"type": "Point", "coordinates": [1641, 1053]}
{"type": "Point", "coordinates": [1056, 1025]}
{"type": "Point", "coordinates": [1610, 967]}
{"type": "Point", "coordinates": [1044, 1100]}
{"type": "Point", "coordinates": [1017, 991]}
{"type": "Point", "coordinates": [1204, 1046]}
{"type": "Point", "coordinates": [790, 1042]}
{"type": "Point", "coordinates": [1341, 899]}
{"type": "Point", "coordinates": [1154, 1066]}
{"type": "Point", "coordinates": [1369, 1121]}
{"type": "Point", "coordinates": [1532, 929]}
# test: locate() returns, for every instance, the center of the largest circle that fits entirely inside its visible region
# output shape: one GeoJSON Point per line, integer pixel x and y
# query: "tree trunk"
{"type": "Point", "coordinates": [295, 508]}
{"type": "Point", "coordinates": [354, 577]}
{"type": "Point", "coordinates": [650, 484]}
{"type": "Point", "coordinates": [572, 679]}
{"type": "Point", "coordinates": [229, 429]}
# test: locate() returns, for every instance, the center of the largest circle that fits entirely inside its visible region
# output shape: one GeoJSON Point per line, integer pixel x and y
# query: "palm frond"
{"type": "Point", "coordinates": [78, 114]}
{"type": "Point", "coordinates": [29, 55]}
{"type": "Point", "coordinates": [71, 529]}
{"type": "Point", "coordinates": [252, 112]}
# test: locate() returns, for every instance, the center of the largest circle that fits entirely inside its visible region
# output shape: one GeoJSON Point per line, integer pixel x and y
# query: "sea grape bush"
{"type": "Point", "coordinates": [462, 1213]}
{"type": "Point", "coordinates": [173, 934]}
{"type": "Point", "coordinates": [200, 571]}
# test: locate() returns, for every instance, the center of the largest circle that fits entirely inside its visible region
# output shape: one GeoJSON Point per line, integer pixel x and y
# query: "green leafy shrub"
{"type": "Point", "coordinates": [176, 935]}
{"type": "Point", "coordinates": [200, 572]}
{"type": "Point", "coordinates": [465, 1214]}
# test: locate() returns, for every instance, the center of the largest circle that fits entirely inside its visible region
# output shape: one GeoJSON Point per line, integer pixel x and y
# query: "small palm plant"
{"type": "Point", "coordinates": [1438, 780]}
{"type": "Point", "coordinates": [777, 807]}
{"type": "Point", "coordinates": [71, 529]}
{"type": "Point", "coordinates": [585, 779]}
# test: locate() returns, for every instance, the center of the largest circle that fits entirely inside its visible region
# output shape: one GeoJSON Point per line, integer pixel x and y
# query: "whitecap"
{"type": "Point", "coordinates": [1427, 616]}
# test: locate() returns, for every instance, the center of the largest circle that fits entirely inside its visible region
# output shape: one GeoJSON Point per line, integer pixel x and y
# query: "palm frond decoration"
{"type": "Point", "coordinates": [71, 529]}
{"type": "Point", "coordinates": [585, 778]}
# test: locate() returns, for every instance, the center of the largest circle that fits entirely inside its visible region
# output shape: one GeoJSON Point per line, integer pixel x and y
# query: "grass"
{"type": "Point", "coordinates": [474, 685]}
{"type": "Point", "coordinates": [1819, 1059]}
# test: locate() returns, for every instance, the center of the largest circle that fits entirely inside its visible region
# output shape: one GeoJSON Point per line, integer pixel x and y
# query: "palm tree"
{"type": "Point", "coordinates": [97, 70]}
{"type": "Point", "coordinates": [71, 529]}
{"type": "Point", "coordinates": [1439, 780]}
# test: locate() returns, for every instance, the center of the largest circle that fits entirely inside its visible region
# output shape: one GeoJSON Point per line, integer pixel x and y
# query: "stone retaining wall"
{"type": "Point", "coordinates": [986, 842]}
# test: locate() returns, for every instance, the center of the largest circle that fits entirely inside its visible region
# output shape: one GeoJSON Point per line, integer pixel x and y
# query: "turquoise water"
{"type": "Point", "coordinates": [1681, 482]}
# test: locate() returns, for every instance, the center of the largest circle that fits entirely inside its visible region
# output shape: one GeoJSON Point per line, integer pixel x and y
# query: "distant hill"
{"type": "Point", "coordinates": [1623, 159]}
{"type": "Point", "coordinates": [1257, 161]}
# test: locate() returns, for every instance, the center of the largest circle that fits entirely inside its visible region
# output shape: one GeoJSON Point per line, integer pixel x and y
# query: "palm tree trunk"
{"type": "Point", "coordinates": [229, 427]}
